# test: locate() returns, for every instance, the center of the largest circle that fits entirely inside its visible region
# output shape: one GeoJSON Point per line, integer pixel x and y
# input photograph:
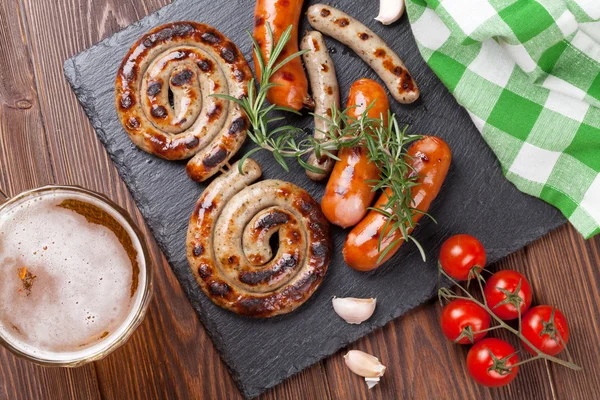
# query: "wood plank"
{"type": "Point", "coordinates": [25, 164]}
{"type": "Point", "coordinates": [564, 270]}
{"type": "Point", "coordinates": [170, 355]}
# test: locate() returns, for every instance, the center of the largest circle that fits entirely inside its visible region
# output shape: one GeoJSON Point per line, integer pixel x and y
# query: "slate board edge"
{"type": "Point", "coordinates": [70, 71]}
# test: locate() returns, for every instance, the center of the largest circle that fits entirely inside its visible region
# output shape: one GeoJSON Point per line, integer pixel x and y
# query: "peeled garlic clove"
{"type": "Point", "coordinates": [390, 11]}
{"type": "Point", "coordinates": [364, 364]}
{"type": "Point", "coordinates": [353, 310]}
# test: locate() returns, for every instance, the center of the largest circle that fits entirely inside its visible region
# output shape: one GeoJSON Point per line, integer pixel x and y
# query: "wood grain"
{"type": "Point", "coordinates": [25, 164]}
{"type": "Point", "coordinates": [45, 137]}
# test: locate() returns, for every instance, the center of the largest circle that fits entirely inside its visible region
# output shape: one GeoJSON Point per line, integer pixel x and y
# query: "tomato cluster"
{"type": "Point", "coordinates": [508, 295]}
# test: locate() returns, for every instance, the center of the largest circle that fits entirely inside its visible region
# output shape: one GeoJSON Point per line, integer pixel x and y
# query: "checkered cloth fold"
{"type": "Point", "coordinates": [528, 73]}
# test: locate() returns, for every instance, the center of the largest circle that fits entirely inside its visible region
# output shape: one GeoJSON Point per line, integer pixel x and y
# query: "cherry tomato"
{"type": "Point", "coordinates": [490, 362]}
{"type": "Point", "coordinates": [460, 254]}
{"type": "Point", "coordinates": [546, 328]}
{"type": "Point", "coordinates": [502, 295]}
{"type": "Point", "coordinates": [463, 319]}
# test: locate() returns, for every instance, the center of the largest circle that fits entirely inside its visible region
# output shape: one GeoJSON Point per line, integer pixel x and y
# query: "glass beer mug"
{"type": "Point", "coordinates": [75, 275]}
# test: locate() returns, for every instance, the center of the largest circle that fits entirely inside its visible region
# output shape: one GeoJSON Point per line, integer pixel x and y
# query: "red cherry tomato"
{"type": "Point", "coordinates": [460, 254]}
{"type": "Point", "coordinates": [546, 328]}
{"type": "Point", "coordinates": [490, 362]}
{"type": "Point", "coordinates": [463, 319]}
{"type": "Point", "coordinates": [502, 295]}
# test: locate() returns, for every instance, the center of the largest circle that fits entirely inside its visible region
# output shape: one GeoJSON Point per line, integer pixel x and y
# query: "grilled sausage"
{"type": "Point", "coordinates": [430, 157]}
{"type": "Point", "coordinates": [326, 94]}
{"type": "Point", "coordinates": [292, 89]}
{"type": "Point", "coordinates": [370, 47]}
{"type": "Point", "coordinates": [228, 243]}
{"type": "Point", "coordinates": [192, 61]}
{"type": "Point", "coordinates": [348, 193]}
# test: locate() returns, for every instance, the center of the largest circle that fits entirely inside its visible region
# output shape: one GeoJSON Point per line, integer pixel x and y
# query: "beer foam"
{"type": "Point", "coordinates": [65, 283]}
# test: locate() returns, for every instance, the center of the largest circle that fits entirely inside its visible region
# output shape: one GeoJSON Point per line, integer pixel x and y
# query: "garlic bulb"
{"type": "Point", "coordinates": [390, 11]}
{"type": "Point", "coordinates": [365, 365]}
{"type": "Point", "coordinates": [353, 310]}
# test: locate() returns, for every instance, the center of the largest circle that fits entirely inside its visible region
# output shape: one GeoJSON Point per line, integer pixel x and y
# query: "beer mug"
{"type": "Point", "coordinates": [75, 275]}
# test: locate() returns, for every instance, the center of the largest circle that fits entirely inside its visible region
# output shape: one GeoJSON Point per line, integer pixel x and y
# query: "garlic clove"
{"type": "Point", "coordinates": [364, 364]}
{"type": "Point", "coordinates": [390, 11]}
{"type": "Point", "coordinates": [353, 310]}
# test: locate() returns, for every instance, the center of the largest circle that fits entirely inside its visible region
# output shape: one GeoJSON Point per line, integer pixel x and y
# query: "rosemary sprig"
{"type": "Point", "coordinates": [386, 145]}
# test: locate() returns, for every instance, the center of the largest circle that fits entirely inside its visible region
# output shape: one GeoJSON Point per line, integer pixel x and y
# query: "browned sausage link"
{"type": "Point", "coordinates": [228, 243]}
{"type": "Point", "coordinates": [370, 47]}
{"type": "Point", "coordinates": [349, 191]}
{"type": "Point", "coordinates": [163, 95]}
{"type": "Point", "coordinates": [430, 157]}
{"type": "Point", "coordinates": [292, 86]}
{"type": "Point", "coordinates": [325, 92]}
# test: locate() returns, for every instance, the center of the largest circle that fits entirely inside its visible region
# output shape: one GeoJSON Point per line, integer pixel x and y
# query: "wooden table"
{"type": "Point", "coordinates": [46, 138]}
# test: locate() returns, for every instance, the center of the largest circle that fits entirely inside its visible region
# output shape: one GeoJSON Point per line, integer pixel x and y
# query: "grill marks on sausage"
{"type": "Point", "coordinates": [198, 250]}
{"type": "Point", "coordinates": [272, 219]}
{"type": "Point", "coordinates": [363, 36]}
{"type": "Point", "coordinates": [239, 75]}
{"type": "Point", "coordinates": [342, 22]}
{"type": "Point", "coordinates": [214, 112]}
{"type": "Point", "coordinates": [325, 13]}
{"type": "Point", "coordinates": [237, 126]}
{"type": "Point", "coordinates": [154, 88]}
{"type": "Point", "coordinates": [228, 54]}
{"type": "Point", "coordinates": [215, 157]}
{"type": "Point", "coordinates": [316, 44]}
{"type": "Point", "coordinates": [210, 37]}
{"type": "Point", "coordinates": [205, 65]}
{"type": "Point", "coordinates": [133, 123]}
{"type": "Point", "coordinates": [126, 101]}
{"type": "Point", "coordinates": [159, 112]}
{"type": "Point", "coordinates": [380, 53]}
{"type": "Point", "coordinates": [324, 67]}
{"type": "Point", "coordinates": [283, 264]}
{"type": "Point", "coordinates": [218, 288]}
{"type": "Point", "coordinates": [181, 78]}
{"type": "Point", "coordinates": [192, 142]}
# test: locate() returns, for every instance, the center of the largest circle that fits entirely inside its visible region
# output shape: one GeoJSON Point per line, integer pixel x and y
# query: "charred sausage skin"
{"type": "Point", "coordinates": [368, 46]}
{"type": "Point", "coordinates": [191, 62]}
{"type": "Point", "coordinates": [326, 94]}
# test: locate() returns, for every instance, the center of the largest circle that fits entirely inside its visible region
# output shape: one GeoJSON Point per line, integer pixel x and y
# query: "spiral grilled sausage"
{"type": "Point", "coordinates": [228, 243]}
{"type": "Point", "coordinates": [184, 63]}
{"type": "Point", "coordinates": [368, 46]}
{"type": "Point", "coordinates": [326, 94]}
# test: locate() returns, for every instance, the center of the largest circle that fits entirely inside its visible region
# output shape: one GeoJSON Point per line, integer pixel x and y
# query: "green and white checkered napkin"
{"type": "Point", "coordinates": [528, 72]}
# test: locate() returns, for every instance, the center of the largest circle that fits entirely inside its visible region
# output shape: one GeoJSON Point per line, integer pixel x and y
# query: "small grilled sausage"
{"type": "Point", "coordinates": [325, 92]}
{"type": "Point", "coordinates": [368, 46]}
{"type": "Point", "coordinates": [430, 157]}
{"type": "Point", "coordinates": [292, 89]}
{"type": "Point", "coordinates": [191, 61]}
{"type": "Point", "coordinates": [228, 243]}
{"type": "Point", "coordinates": [349, 193]}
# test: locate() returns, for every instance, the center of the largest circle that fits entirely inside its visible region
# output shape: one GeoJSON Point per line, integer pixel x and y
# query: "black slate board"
{"type": "Point", "coordinates": [476, 199]}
